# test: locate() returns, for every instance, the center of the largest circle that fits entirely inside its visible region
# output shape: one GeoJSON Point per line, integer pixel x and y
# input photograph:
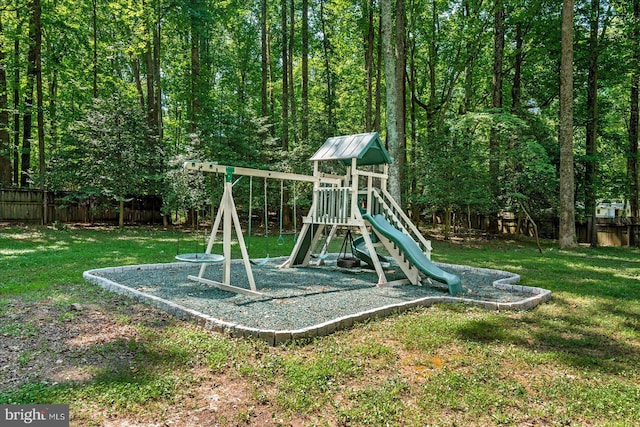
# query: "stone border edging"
{"type": "Point", "coordinates": [276, 337]}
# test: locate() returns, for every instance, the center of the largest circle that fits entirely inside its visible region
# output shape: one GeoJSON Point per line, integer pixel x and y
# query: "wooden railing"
{"type": "Point", "coordinates": [333, 205]}
{"type": "Point", "coordinates": [383, 203]}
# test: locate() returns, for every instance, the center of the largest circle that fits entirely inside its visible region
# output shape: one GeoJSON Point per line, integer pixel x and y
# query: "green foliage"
{"type": "Point", "coordinates": [110, 154]}
{"type": "Point", "coordinates": [201, 61]}
{"type": "Point", "coordinates": [453, 171]}
{"type": "Point", "coordinates": [184, 189]}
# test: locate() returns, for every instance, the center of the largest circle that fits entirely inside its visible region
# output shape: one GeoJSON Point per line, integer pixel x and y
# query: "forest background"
{"type": "Point", "coordinates": [105, 99]}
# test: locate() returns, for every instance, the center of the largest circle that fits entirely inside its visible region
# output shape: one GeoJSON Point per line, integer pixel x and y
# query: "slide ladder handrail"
{"type": "Point", "coordinates": [396, 216]}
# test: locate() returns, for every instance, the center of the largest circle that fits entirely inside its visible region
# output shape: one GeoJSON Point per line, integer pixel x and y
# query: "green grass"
{"type": "Point", "coordinates": [571, 361]}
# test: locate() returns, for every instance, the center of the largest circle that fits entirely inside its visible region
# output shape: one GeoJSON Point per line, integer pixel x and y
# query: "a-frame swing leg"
{"type": "Point", "coordinates": [243, 247]}
{"type": "Point", "coordinates": [229, 216]}
{"type": "Point", "coordinates": [212, 237]}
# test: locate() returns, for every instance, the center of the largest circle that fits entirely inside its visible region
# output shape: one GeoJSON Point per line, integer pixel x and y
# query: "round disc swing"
{"type": "Point", "coordinates": [344, 260]}
{"type": "Point", "coordinates": [197, 257]}
{"type": "Point", "coordinates": [200, 258]}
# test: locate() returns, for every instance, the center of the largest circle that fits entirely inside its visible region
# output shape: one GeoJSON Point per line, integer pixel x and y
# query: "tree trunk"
{"type": "Point", "coordinates": [272, 93]}
{"type": "Point", "coordinates": [400, 156]}
{"type": "Point", "coordinates": [591, 149]}
{"type": "Point", "coordinates": [5, 142]}
{"type": "Point", "coordinates": [432, 56]}
{"type": "Point", "coordinates": [264, 103]}
{"type": "Point", "coordinates": [368, 64]}
{"type": "Point", "coordinates": [632, 162]}
{"type": "Point", "coordinates": [496, 103]}
{"type": "Point", "coordinates": [567, 236]}
{"type": "Point", "coordinates": [413, 170]}
{"type": "Point", "coordinates": [121, 213]}
{"type": "Point", "coordinates": [194, 93]}
{"type": "Point", "coordinates": [28, 98]}
{"type": "Point", "coordinates": [327, 69]}
{"type": "Point", "coordinates": [305, 71]}
{"type": "Point", "coordinates": [516, 89]}
{"type": "Point", "coordinates": [292, 93]}
{"type": "Point", "coordinates": [447, 223]}
{"type": "Point", "coordinates": [285, 79]}
{"type": "Point", "coordinates": [53, 99]}
{"type": "Point", "coordinates": [42, 170]}
{"type": "Point", "coordinates": [135, 66]}
{"type": "Point", "coordinates": [94, 20]}
{"type": "Point", "coordinates": [377, 118]}
{"type": "Point", "coordinates": [468, 69]}
{"type": "Point", "coordinates": [386, 11]}
{"type": "Point", "coordinates": [151, 97]}
{"type": "Point", "coordinates": [156, 78]}
{"type": "Point", "coordinates": [16, 106]}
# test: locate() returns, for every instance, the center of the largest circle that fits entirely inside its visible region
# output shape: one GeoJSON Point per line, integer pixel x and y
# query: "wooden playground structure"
{"type": "Point", "coordinates": [356, 200]}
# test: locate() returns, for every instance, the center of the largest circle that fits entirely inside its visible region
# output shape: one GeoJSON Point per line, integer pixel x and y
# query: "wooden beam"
{"type": "Point", "coordinates": [373, 174]}
{"type": "Point", "coordinates": [225, 287]}
{"type": "Point", "coordinates": [260, 173]}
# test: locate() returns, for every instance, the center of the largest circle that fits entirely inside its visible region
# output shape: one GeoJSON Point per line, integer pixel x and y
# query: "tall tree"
{"type": "Point", "coordinates": [27, 117]}
{"type": "Point", "coordinates": [496, 103]}
{"type": "Point", "coordinates": [16, 106]}
{"type": "Point", "coordinates": [632, 160]}
{"type": "Point", "coordinates": [378, 114]}
{"type": "Point", "coordinates": [369, 40]}
{"type": "Point", "coordinates": [400, 157]}
{"type": "Point", "coordinates": [591, 149]}
{"type": "Point", "coordinates": [156, 29]}
{"type": "Point", "coordinates": [264, 60]}
{"type": "Point", "coordinates": [37, 12]}
{"type": "Point", "coordinates": [285, 78]}
{"type": "Point", "coordinates": [326, 47]}
{"type": "Point", "coordinates": [305, 71]}
{"type": "Point", "coordinates": [5, 142]}
{"type": "Point", "coordinates": [386, 12]}
{"type": "Point", "coordinates": [567, 235]}
{"type": "Point", "coordinates": [195, 101]}
{"type": "Point", "coordinates": [292, 93]}
{"type": "Point", "coordinates": [94, 62]}
{"type": "Point", "coordinates": [516, 89]}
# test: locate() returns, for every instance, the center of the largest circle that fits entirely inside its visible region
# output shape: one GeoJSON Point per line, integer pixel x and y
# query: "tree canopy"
{"type": "Point", "coordinates": [94, 94]}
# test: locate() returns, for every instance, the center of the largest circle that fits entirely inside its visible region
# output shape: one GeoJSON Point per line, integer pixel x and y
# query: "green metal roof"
{"type": "Point", "coordinates": [366, 147]}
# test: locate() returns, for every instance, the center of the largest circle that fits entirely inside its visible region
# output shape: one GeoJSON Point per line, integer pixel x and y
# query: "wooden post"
{"type": "Point", "coordinates": [354, 189]}
{"type": "Point", "coordinates": [226, 234]}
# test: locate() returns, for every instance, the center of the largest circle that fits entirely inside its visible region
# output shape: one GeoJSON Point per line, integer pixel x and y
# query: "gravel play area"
{"type": "Point", "coordinates": [303, 302]}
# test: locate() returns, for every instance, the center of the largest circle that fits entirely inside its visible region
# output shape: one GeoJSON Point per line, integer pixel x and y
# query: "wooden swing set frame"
{"type": "Point", "coordinates": [227, 217]}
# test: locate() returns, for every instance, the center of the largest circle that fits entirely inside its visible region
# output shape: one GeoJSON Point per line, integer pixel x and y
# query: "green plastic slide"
{"type": "Point", "coordinates": [413, 252]}
{"type": "Point", "coordinates": [359, 249]}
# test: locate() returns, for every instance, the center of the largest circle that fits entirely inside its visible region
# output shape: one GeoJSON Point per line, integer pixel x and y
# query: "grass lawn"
{"type": "Point", "coordinates": [572, 361]}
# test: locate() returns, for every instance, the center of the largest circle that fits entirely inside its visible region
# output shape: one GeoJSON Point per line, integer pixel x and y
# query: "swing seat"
{"type": "Point", "coordinates": [262, 262]}
{"type": "Point", "coordinates": [348, 262]}
{"type": "Point", "coordinates": [200, 258]}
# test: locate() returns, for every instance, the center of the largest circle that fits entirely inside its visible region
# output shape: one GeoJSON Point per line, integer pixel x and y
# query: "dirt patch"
{"type": "Point", "coordinates": [54, 343]}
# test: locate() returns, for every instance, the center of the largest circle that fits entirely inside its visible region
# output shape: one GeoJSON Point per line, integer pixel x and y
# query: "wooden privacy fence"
{"type": "Point", "coordinates": [26, 205]}
{"type": "Point", "coordinates": [610, 231]}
